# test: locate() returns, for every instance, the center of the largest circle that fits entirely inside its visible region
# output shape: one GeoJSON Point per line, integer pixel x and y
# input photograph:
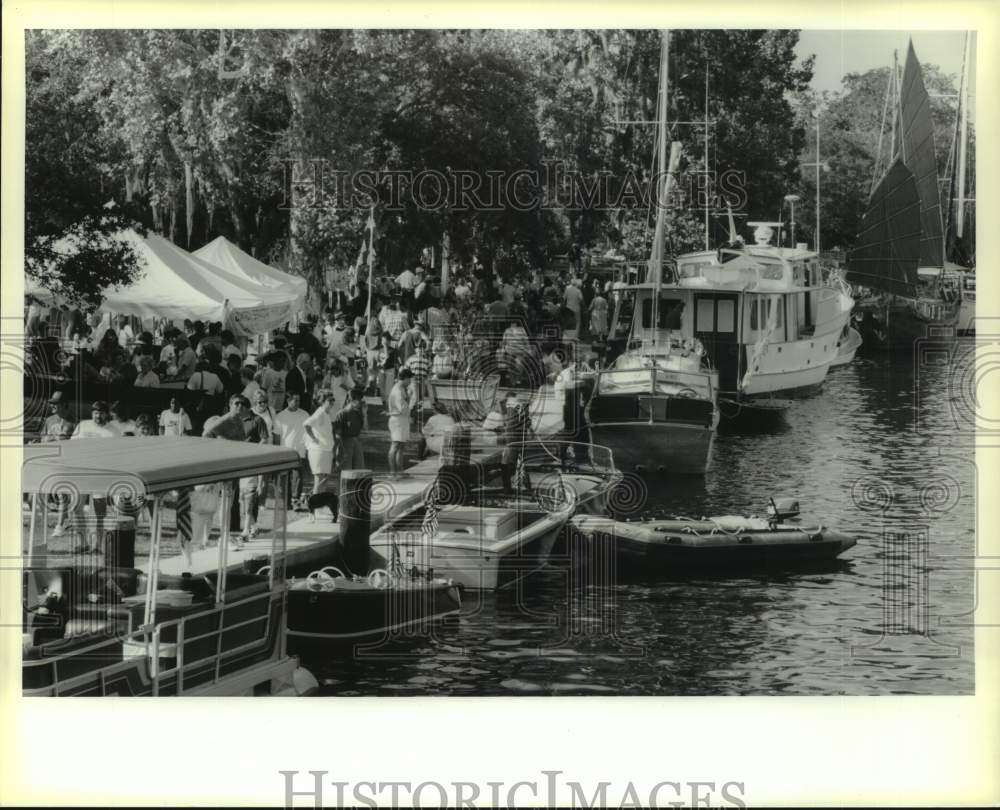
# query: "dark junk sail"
{"type": "Point", "coordinates": [888, 248]}
{"type": "Point", "coordinates": [906, 205]}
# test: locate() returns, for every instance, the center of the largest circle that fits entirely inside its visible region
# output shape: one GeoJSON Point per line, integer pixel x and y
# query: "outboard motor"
{"type": "Point", "coordinates": [781, 509]}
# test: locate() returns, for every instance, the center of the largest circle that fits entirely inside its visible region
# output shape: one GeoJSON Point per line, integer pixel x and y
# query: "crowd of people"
{"type": "Point", "coordinates": [308, 387]}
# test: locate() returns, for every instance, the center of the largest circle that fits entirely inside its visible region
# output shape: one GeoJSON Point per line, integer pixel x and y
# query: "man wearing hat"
{"type": "Point", "coordinates": [58, 425]}
{"type": "Point", "coordinates": [335, 338]}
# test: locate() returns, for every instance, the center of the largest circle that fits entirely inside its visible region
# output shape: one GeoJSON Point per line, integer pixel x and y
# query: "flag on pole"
{"type": "Point", "coordinates": [520, 473]}
{"type": "Point", "coordinates": [429, 526]}
{"type": "Point", "coordinates": [371, 257]}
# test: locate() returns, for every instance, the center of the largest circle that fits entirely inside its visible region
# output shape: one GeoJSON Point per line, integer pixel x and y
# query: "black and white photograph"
{"type": "Point", "coordinates": [527, 362]}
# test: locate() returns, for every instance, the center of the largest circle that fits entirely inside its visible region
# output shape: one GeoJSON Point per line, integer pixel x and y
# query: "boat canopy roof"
{"type": "Point", "coordinates": [145, 464]}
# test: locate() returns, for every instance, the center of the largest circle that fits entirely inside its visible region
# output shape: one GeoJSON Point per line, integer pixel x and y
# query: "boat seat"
{"type": "Point", "coordinates": [490, 524]}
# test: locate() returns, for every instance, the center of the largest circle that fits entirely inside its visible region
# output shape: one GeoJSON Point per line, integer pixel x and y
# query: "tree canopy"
{"type": "Point", "coordinates": [250, 134]}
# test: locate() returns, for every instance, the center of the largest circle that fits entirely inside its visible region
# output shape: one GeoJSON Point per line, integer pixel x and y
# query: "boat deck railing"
{"type": "Point", "coordinates": [549, 455]}
{"type": "Point", "coordinates": [147, 641]}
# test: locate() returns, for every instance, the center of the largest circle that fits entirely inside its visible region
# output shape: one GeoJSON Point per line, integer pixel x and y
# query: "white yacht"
{"type": "Point", "coordinates": [766, 320]}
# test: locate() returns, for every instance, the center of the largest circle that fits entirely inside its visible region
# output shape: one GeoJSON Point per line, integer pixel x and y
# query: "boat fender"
{"type": "Point", "coordinates": [302, 683]}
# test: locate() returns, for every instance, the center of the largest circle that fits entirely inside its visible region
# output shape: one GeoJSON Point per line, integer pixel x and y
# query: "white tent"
{"type": "Point", "coordinates": [223, 253]}
{"type": "Point", "coordinates": [175, 284]}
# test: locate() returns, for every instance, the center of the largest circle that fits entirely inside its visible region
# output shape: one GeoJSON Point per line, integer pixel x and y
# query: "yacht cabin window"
{"type": "Point", "coordinates": [691, 269]}
{"type": "Point", "coordinates": [726, 316]}
{"type": "Point", "coordinates": [760, 312]}
{"type": "Point", "coordinates": [706, 315]}
{"type": "Point", "coordinates": [669, 313]}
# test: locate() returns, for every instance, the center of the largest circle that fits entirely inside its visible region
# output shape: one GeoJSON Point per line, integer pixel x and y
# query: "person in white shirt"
{"type": "Point", "coordinates": [147, 377]}
{"type": "Point", "coordinates": [204, 379]}
{"type": "Point", "coordinates": [319, 440]}
{"type": "Point", "coordinates": [406, 280]}
{"type": "Point", "coordinates": [573, 300]}
{"type": "Point", "coordinates": [289, 424]}
{"type": "Point", "coordinates": [272, 378]}
{"type": "Point", "coordinates": [462, 291]}
{"type": "Point", "coordinates": [401, 401]}
{"type": "Point", "coordinates": [250, 385]}
{"type": "Point", "coordinates": [174, 421]}
{"type": "Point", "coordinates": [125, 334]}
{"type": "Point", "coordinates": [98, 426]}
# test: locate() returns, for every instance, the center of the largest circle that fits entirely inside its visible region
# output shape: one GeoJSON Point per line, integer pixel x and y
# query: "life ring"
{"type": "Point", "coordinates": [263, 571]}
{"type": "Point", "coordinates": [379, 578]}
{"type": "Point", "coordinates": [687, 393]}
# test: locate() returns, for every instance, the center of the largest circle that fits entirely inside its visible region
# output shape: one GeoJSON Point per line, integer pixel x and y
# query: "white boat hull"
{"type": "Point", "coordinates": [848, 348]}
{"type": "Point", "coordinates": [473, 564]}
{"type": "Point", "coordinates": [967, 314]}
{"type": "Point", "coordinates": [479, 564]}
{"type": "Point", "coordinates": [794, 365]}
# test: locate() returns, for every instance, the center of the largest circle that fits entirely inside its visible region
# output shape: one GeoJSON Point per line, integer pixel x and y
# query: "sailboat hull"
{"type": "Point", "coordinates": [673, 449]}
{"type": "Point", "coordinates": [897, 326]}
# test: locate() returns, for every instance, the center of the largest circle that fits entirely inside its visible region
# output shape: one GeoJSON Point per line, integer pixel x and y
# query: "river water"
{"type": "Point", "coordinates": [882, 452]}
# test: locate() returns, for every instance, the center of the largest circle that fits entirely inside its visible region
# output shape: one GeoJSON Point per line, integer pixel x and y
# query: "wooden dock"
{"type": "Point", "coordinates": [310, 541]}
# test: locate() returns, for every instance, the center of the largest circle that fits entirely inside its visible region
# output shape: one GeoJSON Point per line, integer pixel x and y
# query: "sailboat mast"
{"type": "Point", "coordinates": [656, 258]}
{"type": "Point", "coordinates": [706, 156]}
{"type": "Point", "coordinates": [895, 104]}
{"type": "Point", "coordinates": [963, 138]}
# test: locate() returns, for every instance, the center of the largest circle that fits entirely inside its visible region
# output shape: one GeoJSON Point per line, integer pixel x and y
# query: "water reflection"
{"type": "Point", "coordinates": [875, 454]}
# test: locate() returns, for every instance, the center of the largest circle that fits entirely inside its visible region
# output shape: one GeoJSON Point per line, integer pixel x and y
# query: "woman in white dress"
{"type": "Point", "coordinates": [319, 440]}
{"type": "Point", "coordinates": [400, 404]}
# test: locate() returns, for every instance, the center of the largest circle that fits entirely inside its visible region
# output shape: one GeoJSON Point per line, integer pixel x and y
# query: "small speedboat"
{"type": "Point", "coordinates": [489, 537]}
{"type": "Point", "coordinates": [725, 542]}
{"type": "Point", "coordinates": [327, 607]}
